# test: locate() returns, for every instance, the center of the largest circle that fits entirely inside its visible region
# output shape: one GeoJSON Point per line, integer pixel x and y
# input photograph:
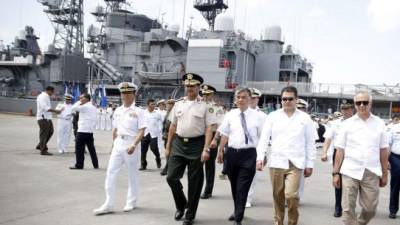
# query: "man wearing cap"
{"type": "Point", "coordinates": [43, 116]}
{"type": "Point", "coordinates": [255, 98]}
{"type": "Point", "coordinates": [64, 124]}
{"type": "Point", "coordinates": [166, 124]}
{"type": "Point", "coordinates": [394, 159]}
{"type": "Point", "coordinates": [361, 160]}
{"type": "Point", "coordinates": [291, 155]}
{"type": "Point", "coordinates": [151, 134]}
{"type": "Point", "coordinates": [128, 129]}
{"type": "Point", "coordinates": [188, 144]}
{"type": "Point", "coordinates": [86, 127]}
{"type": "Point", "coordinates": [329, 151]}
{"type": "Point", "coordinates": [208, 93]}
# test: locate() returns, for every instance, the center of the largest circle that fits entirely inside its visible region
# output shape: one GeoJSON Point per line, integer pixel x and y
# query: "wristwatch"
{"type": "Point", "coordinates": [206, 150]}
{"type": "Point", "coordinates": [335, 173]}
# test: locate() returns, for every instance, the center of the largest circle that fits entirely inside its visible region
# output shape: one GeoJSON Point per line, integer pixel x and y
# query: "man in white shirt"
{"type": "Point", "coordinates": [43, 117]}
{"type": "Point", "coordinates": [362, 160]}
{"type": "Point", "coordinates": [292, 136]}
{"type": "Point", "coordinates": [394, 159]}
{"type": "Point", "coordinates": [255, 98]}
{"type": "Point", "coordinates": [128, 129]}
{"type": "Point", "coordinates": [329, 152]}
{"type": "Point", "coordinates": [240, 130]}
{"type": "Point", "coordinates": [86, 127]}
{"type": "Point", "coordinates": [64, 124]}
{"type": "Point", "coordinates": [151, 134]}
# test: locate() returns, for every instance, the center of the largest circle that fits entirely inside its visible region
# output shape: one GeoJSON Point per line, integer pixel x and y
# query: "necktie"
{"type": "Point", "coordinates": [244, 126]}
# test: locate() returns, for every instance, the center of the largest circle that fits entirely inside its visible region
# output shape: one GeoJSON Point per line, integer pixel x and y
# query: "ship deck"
{"type": "Point", "coordinates": [42, 190]}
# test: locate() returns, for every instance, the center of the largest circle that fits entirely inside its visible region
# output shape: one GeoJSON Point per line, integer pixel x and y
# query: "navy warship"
{"type": "Point", "coordinates": [128, 46]}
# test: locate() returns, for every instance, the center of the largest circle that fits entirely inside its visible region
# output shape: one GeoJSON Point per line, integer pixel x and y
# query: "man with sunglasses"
{"type": "Point", "coordinates": [188, 146]}
{"type": "Point", "coordinates": [292, 136]}
{"type": "Point", "coordinates": [361, 160]}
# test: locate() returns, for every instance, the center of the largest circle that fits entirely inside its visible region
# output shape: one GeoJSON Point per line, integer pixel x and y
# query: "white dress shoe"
{"type": "Point", "coordinates": [103, 210]}
{"type": "Point", "coordinates": [128, 208]}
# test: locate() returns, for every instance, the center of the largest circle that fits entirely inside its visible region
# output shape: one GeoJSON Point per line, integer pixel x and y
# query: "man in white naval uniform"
{"type": "Point", "coordinates": [109, 115]}
{"type": "Point", "coordinates": [64, 124]}
{"type": "Point", "coordinates": [255, 98]}
{"type": "Point", "coordinates": [128, 130]}
{"type": "Point", "coordinates": [162, 110]}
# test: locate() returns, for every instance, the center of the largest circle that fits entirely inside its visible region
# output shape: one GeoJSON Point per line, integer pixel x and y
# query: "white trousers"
{"type": "Point", "coordinates": [108, 123]}
{"type": "Point", "coordinates": [119, 157]}
{"type": "Point", "coordinates": [252, 190]}
{"type": "Point", "coordinates": [103, 122]}
{"type": "Point", "coordinates": [301, 188]}
{"type": "Point", "coordinates": [64, 128]}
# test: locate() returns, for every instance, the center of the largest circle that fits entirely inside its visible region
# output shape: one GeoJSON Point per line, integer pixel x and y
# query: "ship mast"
{"type": "Point", "coordinates": [210, 9]}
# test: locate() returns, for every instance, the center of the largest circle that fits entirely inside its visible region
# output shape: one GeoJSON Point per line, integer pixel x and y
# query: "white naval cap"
{"type": "Point", "coordinates": [127, 87]}
{"type": "Point", "coordinates": [301, 103]}
{"type": "Point", "coordinates": [161, 101]}
{"type": "Point", "coordinates": [68, 96]}
{"type": "Point", "coordinates": [255, 92]}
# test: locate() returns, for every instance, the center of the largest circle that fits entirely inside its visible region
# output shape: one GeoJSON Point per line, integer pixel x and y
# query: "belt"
{"type": "Point", "coordinates": [65, 118]}
{"type": "Point", "coordinates": [190, 139]}
{"type": "Point", "coordinates": [126, 137]}
{"type": "Point", "coordinates": [240, 149]}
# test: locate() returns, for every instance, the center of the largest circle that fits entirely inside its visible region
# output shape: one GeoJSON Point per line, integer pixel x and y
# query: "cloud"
{"type": "Point", "coordinates": [316, 12]}
{"type": "Point", "coordinates": [384, 14]}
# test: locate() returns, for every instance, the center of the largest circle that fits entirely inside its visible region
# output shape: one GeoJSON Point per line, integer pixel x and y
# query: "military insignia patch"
{"type": "Point", "coordinates": [134, 115]}
{"type": "Point", "coordinates": [211, 110]}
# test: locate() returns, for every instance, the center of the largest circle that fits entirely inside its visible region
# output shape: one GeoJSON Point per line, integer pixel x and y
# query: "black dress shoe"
{"type": "Point", "coordinates": [338, 213]}
{"type": "Point", "coordinates": [163, 173]}
{"type": "Point", "coordinates": [205, 196]}
{"type": "Point", "coordinates": [142, 168]}
{"type": "Point", "coordinates": [231, 217]}
{"type": "Point", "coordinates": [179, 214]}
{"type": "Point", "coordinates": [159, 164]}
{"type": "Point", "coordinates": [46, 153]}
{"type": "Point", "coordinates": [392, 215]}
{"type": "Point", "coordinates": [187, 222]}
{"type": "Point", "coordinates": [75, 168]}
{"type": "Point", "coordinates": [237, 223]}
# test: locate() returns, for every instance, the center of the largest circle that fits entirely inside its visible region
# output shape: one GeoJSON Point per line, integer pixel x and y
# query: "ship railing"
{"type": "Point", "coordinates": [328, 89]}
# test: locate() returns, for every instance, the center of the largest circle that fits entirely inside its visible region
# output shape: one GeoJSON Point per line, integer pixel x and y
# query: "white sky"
{"type": "Point", "coordinates": [349, 41]}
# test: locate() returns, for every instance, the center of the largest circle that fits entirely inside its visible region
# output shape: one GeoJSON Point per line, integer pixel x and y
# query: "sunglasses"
{"type": "Point", "coordinates": [362, 102]}
{"type": "Point", "coordinates": [287, 99]}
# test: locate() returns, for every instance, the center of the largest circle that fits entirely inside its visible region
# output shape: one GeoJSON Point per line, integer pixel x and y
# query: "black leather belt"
{"type": "Point", "coordinates": [189, 139]}
{"type": "Point", "coordinates": [240, 149]}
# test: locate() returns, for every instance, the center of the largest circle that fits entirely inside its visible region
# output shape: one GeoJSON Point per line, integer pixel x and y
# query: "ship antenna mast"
{"type": "Point", "coordinates": [210, 9]}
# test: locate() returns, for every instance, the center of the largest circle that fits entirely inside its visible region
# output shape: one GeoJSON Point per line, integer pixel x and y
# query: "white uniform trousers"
{"type": "Point", "coordinates": [301, 188]}
{"type": "Point", "coordinates": [108, 122]}
{"type": "Point", "coordinates": [103, 122]}
{"type": "Point", "coordinates": [64, 128]}
{"type": "Point", "coordinates": [252, 190]}
{"type": "Point", "coordinates": [119, 157]}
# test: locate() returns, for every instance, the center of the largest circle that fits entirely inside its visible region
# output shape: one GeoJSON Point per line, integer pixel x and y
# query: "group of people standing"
{"type": "Point", "coordinates": [196, 132]}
